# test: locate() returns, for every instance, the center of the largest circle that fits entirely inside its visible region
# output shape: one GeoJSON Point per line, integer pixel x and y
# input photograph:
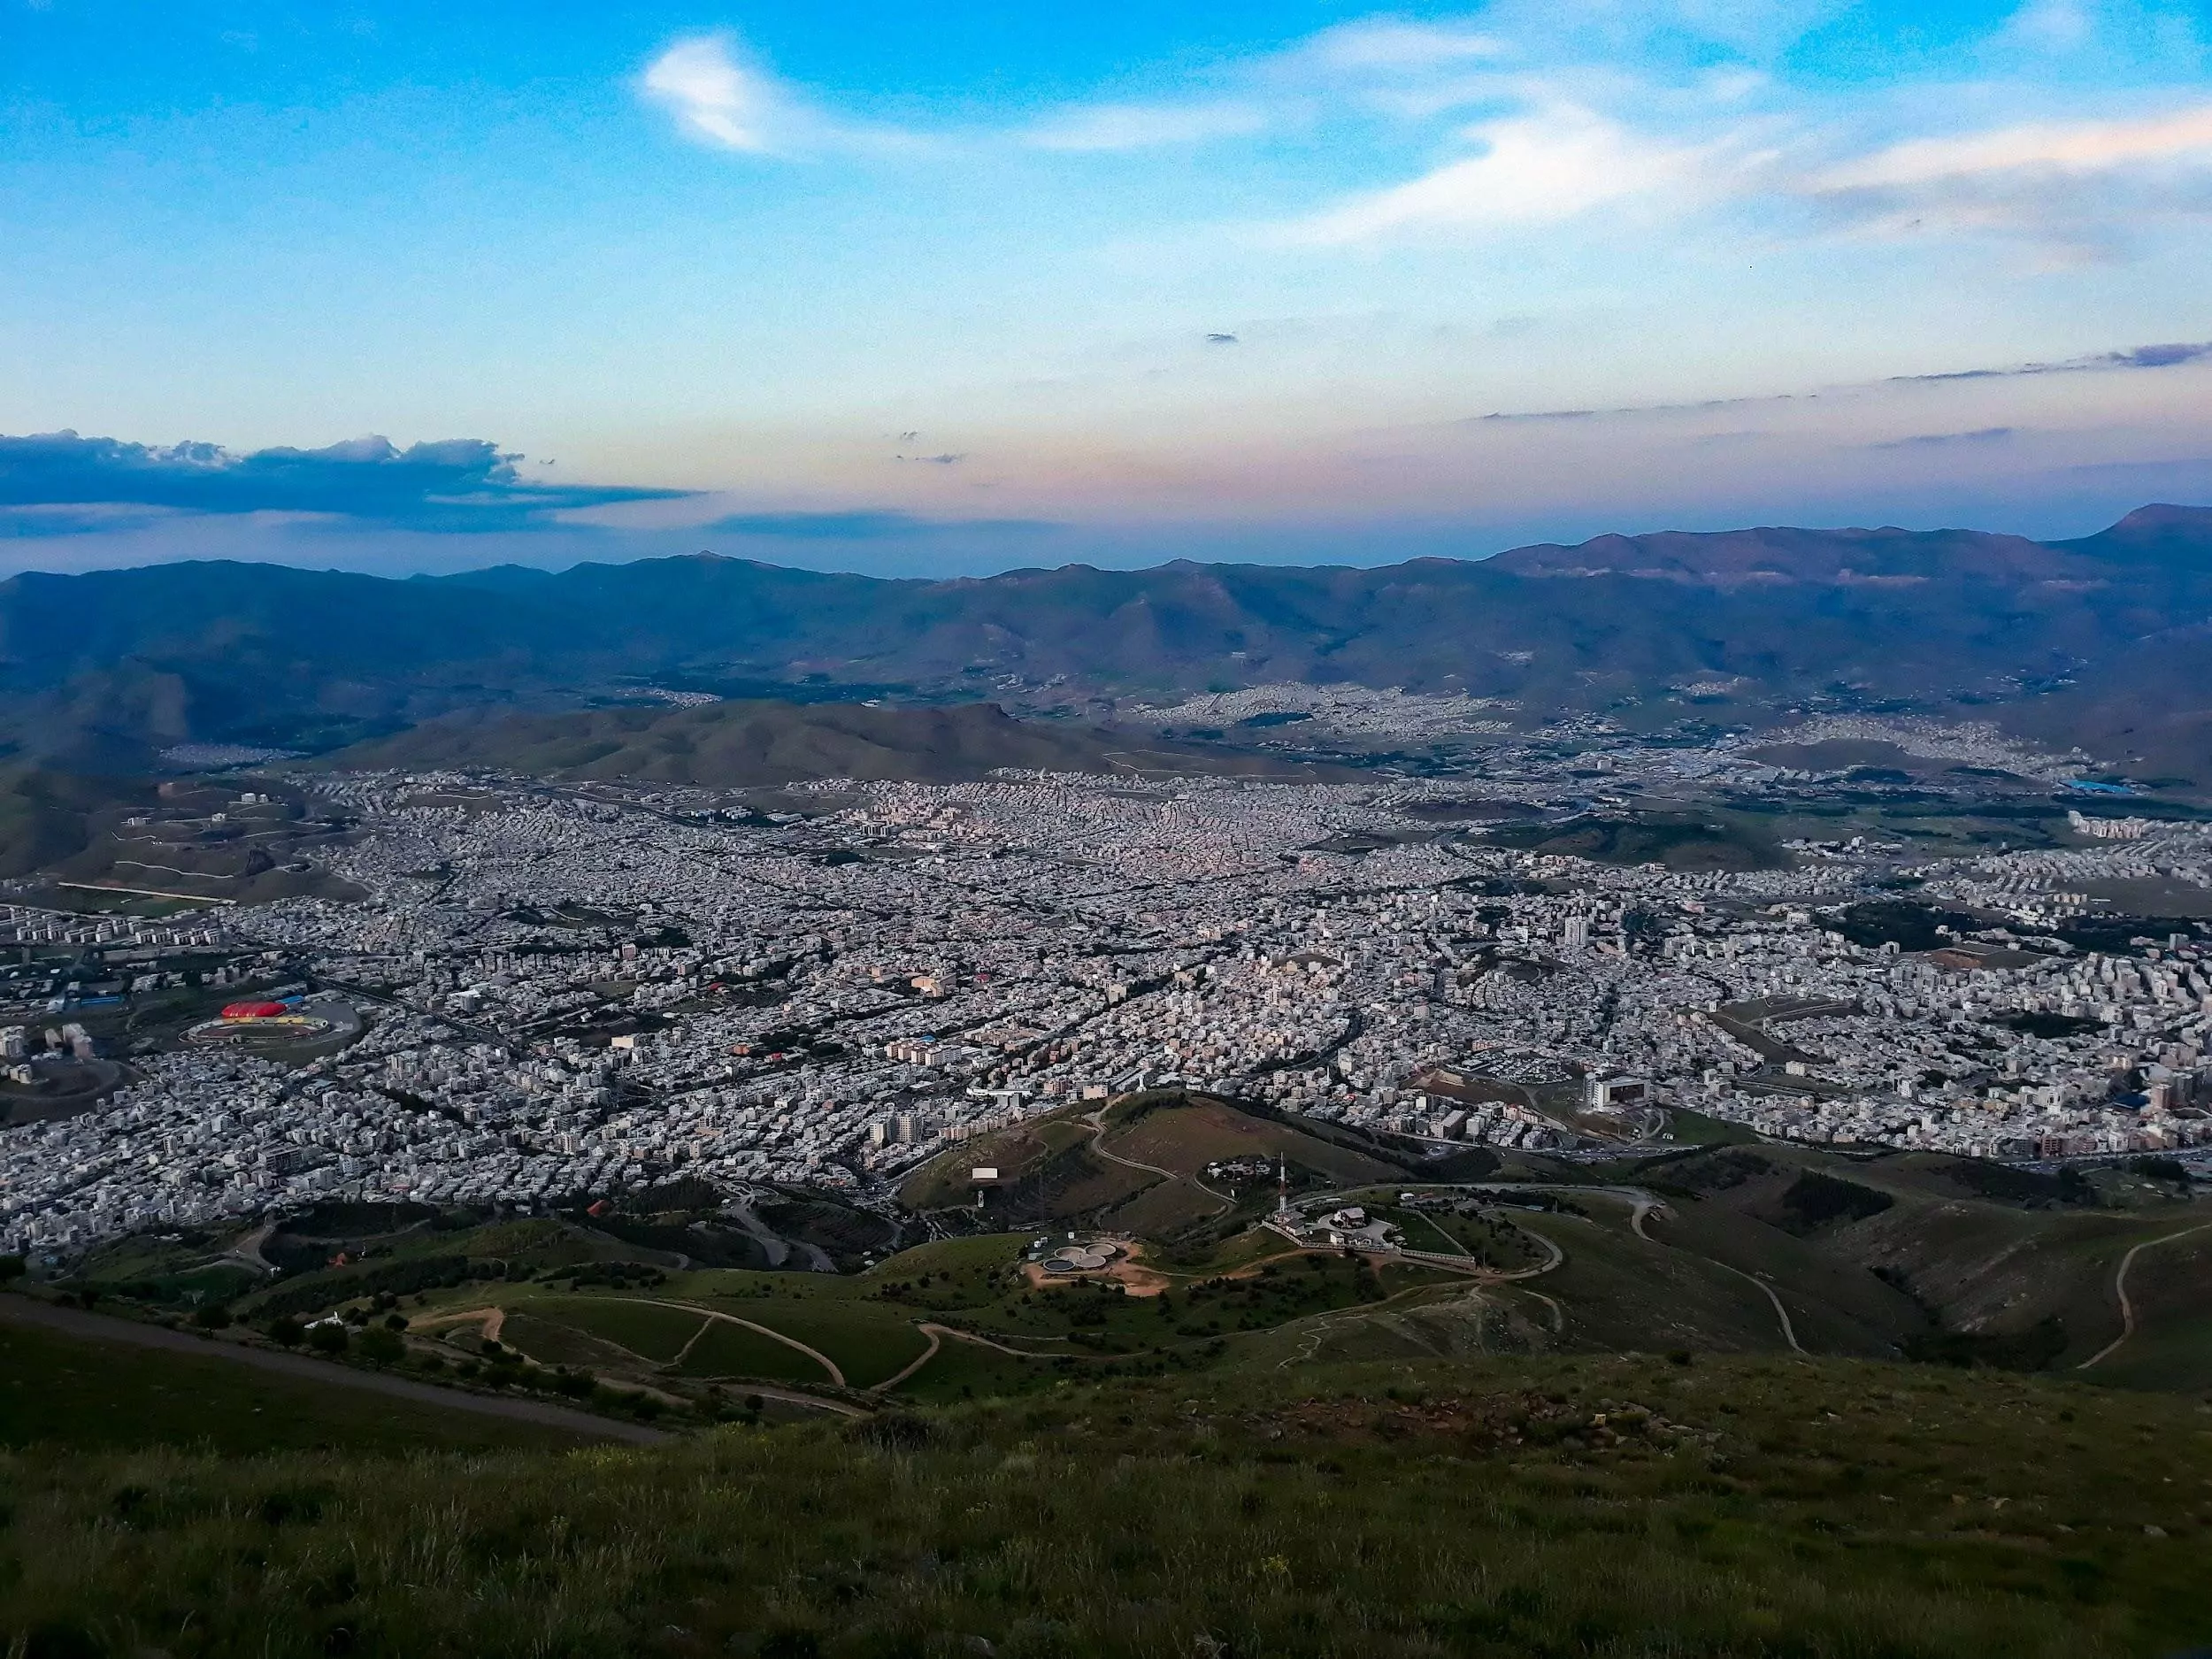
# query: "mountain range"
{"type": "Point", "coordinates": [2103, 641]}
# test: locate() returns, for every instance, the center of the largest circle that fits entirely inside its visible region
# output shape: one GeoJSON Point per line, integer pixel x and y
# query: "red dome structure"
{"type": "Point", "coordinates": [254, 1011]}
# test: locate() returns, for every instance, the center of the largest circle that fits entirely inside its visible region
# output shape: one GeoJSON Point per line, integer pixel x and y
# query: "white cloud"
{"type": "Point", "coordinates": [1119, 127]}
{"type": "Point", "coordinates": [714, 98]}
{"type": "Point", "coordinates": [1567, 133]}
{"type": "Point", "coordinates": [1536, 169]}
{"type": "Point", "coordinates": [2077, 188]}
{"type": "Point", "coordinates": [1392, 44]}
{"type": "Point", "coordinates": [2074, 147]}
{"type": "Point", "coordinates": [1387, 65]}
{"type": "Point", "coordinates": [2047, 25]}
{"type": "Point", "coordinates": [721, 96]}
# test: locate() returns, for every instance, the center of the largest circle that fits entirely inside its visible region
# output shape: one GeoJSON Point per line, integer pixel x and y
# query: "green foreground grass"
{"type": "Point", "coordinates": [99, 1396]}
{"type": "Point", "coordinates": [1592, 1506]}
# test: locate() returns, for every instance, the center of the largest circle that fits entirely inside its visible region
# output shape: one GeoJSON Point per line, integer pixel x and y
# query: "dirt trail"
{"type": "Point", "coordinates": [712, 1314]}
{"type": "Point", "coordinates": [489, 1322]}
{"type": "Point", "coordinates": [100, 1327]}
{"type": "Point", "coordinates": [2120, 1291]}
{"type": "Point", "coordinates": [1645, 1205]}
{"type": "Point", "coordinates": [1789, 1330]}
{"type": "Point", "coordinates": [1098, 1145]}
{"type": "Point", "coordinates": [1558, 1313]}
{"type": "Point", "coordinates": [926, 1355]}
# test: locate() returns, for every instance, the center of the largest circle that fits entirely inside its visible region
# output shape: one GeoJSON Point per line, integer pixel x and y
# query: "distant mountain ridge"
{"type": "Point", "coordinates": [104, 670]}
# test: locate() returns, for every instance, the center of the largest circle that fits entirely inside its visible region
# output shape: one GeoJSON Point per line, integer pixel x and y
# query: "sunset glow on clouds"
{"type": "Point", "coordinates": [846, 285]}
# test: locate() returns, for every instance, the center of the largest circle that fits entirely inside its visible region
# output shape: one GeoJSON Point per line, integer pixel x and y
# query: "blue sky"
{"type": "Point", "coordinates": [911, 289]}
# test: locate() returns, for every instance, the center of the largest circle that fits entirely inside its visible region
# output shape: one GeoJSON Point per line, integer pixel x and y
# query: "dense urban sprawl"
{"type": "Point", "coordinates": [541, 993]}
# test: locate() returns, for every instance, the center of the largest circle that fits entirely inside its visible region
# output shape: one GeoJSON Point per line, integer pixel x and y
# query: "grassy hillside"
{"type": "Point", "coordinates": [1713, 1249]}
{"type": "Point", "coordinates": [106, 1397]}
{"type": "Point", "coordinates": [1680, 841]}
{"type": "Point", "coordinates": [758, 741]}
{"type": "Point", "coordinates": [1064, 1167]}
{"type": "Point", "coordinates": [1667, 1406]}
{"type": "Point", "coordinates": [1949, 1257]}
{"type": "Point", "coordinates": [134, 832]}
{"type": "Point", "coordinates": [1617, 1506]}
{"type": "Point", "coordinates": [47, 817]}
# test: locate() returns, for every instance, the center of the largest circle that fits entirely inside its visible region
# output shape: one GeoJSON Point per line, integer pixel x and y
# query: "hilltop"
{"type": "Point", "coordinates": [765, 742]}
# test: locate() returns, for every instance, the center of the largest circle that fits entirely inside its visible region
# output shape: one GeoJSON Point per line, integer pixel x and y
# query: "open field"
{"type": "Point", "coordinates": [868, 1344]}
{"type": "Point", "coordinates": [943, 1182]}
{"type": "Point", "coordinates": [725, 1350]}
{"type": "Point", "coordinates": [1187, 1135]}
{"type": "Point", "coordinates": [647, 1329]}
{"type": "Point", "coordinates": [552, 1343]}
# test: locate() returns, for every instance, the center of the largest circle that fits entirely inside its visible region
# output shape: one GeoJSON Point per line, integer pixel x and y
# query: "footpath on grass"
{"type": "Point", "coordinates": [101, 1328]}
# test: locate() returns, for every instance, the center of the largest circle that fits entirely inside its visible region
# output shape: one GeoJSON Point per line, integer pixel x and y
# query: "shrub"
{"type": "Point", "coordinates": [1815, 1198]}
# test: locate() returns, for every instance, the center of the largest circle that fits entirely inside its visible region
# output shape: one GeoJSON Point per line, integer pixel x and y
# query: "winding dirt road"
{"type": "Point", "coordinates": [1646, 1204]}
{"type": "Point", "coordinates": [710, 1315]}
{"type": "Point", "coordinates": [2120, 1293]}
{"type": "Point", "coordinates": [1098, 1145]}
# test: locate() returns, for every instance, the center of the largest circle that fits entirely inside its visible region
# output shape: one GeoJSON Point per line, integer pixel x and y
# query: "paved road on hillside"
{"type": "Point", "coordinates": [101, 1328]}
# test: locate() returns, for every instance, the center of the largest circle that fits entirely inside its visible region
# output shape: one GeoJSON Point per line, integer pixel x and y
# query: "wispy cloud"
{"type": "Point", "coordinates": [1534, 169]}
{"type": "Point", "coordinates": [1119, 127]}
{"type": "Point", "coordinates": [2064, 181]}
{"type": "Point", "coordinates": [2048, 26]}
{"type": "Point", "coordinates": [62, 484]}
{"type": "Point", "coordinates": [714, 98]}
{"type": "Point", "coordinates": [1675, 108]}
{"type": "Point", "coordinates": [2169, 356]}
{"type": "Point", "coordinates": [1944, 440]}
{"type": "Point", "coordinates": [1380, 65]}
{"type": "Point", "coordinates": [1396, 45]}
{"type": "Point", "coordinates": [2132, 357]}
{"type": "Point", "coordinates": [878, 524]}
{"type": "Point", "coordinates": [720, 95]}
